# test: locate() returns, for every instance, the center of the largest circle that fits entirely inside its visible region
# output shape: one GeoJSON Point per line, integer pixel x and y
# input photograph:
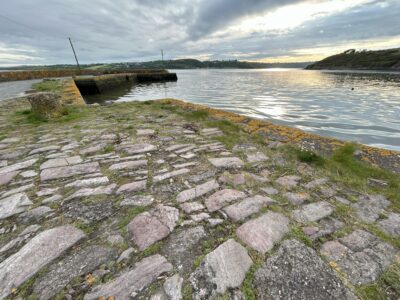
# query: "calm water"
{"type": "Point", "coordinates": [14, 89]}
{"type": "Point", "coordinates": [315, 101]}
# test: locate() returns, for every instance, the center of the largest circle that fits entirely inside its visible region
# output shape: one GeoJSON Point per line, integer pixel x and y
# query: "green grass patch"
{"type": "Point", "coordinates": [48, 85]}
{"type": "Point", "coordinates": [354, 173]}
{"type": "Point", "coordinates": [371, 292]}
{"type": "Point", "coordinates": [86, 228]}
{"type": "Point", "coordinates": [197, 115]}
{"type": "Point", "coordinates": [70, 114]}
{"type": "Point", "coordinates": [130, 214]}
{"type": "Point", "coordinates": [27, 116]}
{"type": "Point", "coordinates": [386, 287]}
{"type": "Point", "coordinates": [344, 168]}
{"type": "Point", "coordinates": [247, 285]}
{"type": "Point", "coordinates": [163, 106]}
{"type": "Point", "coordinates": [153, 249]}
{"type": "Point", "coordinates": [309, 157]}
{"type": "Point", "coordinates": [297, 233]}
{"type": "Point", "coordinates": [382, 235]}
{"type": "Point", "coordinates": [187, 291]}
{"type": "Point", "coordinates": [109, 148]}
{"type": "Point", "coordinates": [198, 261]}
{"type": "Point", "coordinates": [232, 132]}
{"type": "Point", "coordinates": [391, 277]}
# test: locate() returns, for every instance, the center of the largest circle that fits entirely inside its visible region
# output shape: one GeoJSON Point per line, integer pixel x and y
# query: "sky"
{"type": "Point", "coordinates": [36, 32]}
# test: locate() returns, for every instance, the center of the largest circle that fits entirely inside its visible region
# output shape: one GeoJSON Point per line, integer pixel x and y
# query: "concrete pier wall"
{"type": "Point", "coordinates": [101, 84]}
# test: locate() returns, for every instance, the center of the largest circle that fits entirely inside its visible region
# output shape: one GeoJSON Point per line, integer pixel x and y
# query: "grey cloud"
{"type": "Point", "coordinates": [216, 14]}
{"type": "Point", "coordinates": [361, 23]}
{"type": "Point", "coordinates": [127, 30]}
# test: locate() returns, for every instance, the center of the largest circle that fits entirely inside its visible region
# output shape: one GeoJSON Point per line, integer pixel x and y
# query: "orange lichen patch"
{"type": "Point", "coordinates": [109, 298]}
{"type": "Point", "coordinates": [365, 158]}
{"type": "Point", "coordinates": [378, 151]}
{"type": "Point", "coordinates": [90, 279]}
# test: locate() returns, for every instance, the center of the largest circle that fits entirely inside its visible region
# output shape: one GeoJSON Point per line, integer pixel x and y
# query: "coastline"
{"type": "Point", "coordinates": [386, 159]}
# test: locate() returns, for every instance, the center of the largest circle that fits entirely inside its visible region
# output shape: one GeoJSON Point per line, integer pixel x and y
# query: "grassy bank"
{"type": "Point", "coordinates": [365, 60]}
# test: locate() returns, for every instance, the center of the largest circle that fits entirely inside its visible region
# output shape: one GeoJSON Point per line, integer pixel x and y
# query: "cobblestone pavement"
{"type": "Point", "coordinates": [138, 201]}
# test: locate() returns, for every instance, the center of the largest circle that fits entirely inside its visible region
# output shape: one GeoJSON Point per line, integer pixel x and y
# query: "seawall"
{"type": "Point", "coordinates": [103, 83]}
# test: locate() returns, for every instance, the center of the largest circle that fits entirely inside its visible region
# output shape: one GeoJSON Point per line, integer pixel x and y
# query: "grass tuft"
{"type": "Point", "coordinates": [197, 115]}
{"type": "Point", "coordinates": [108, 149]}
{"type": "Point", "coordinates": [386, 287]}
{"type": "Point", "coordinates": [70, 114]}
{"type": "Point", "coordinates": [48, 85]}
{"type": "Point", "coordinates": [309, 157]}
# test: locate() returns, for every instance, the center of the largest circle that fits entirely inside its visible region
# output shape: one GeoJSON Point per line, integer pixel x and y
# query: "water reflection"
{"type": "Point", "coordinates": [360, 106]}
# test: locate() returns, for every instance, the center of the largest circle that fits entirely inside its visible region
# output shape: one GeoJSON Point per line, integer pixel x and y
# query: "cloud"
{"type": "Point", "coordinates": [36, 32]}
{"type": "Point", "coordinates": [216, 14]}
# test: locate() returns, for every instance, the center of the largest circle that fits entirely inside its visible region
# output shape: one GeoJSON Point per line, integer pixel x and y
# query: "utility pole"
{"type": "Point", "coordinates": [73, 50]}
{"type": "Point", "coordinates": [162, 55]}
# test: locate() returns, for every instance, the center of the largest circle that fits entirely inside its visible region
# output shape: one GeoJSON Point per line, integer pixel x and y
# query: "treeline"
{"type": "Point", "coordinates": [361, 60]}
{"type": "Point", "coordinates": [170, 64]}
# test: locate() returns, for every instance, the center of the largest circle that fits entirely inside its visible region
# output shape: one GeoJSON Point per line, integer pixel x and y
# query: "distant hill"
{"type": "Point", "coordinates": [171, 64]}
{"type": "Point", "coordinates": [361, 60]}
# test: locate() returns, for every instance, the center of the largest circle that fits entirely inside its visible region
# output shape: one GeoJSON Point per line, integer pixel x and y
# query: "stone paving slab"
{"type": "Point", "coordinates": [223, 268]}
{"type": "Point", "coordinates": [312, 212]}
{"type": "Point", "coordinates": [361, 255]}
{"type": "Point", "coordinates": [183, 247]}
{"type": "Point", "coordinates": [14, 204]}
{"type": "Point", "coordinates": [18, 166]}
{"type": "Point", "coordinates": [139, 148]}
{"type": "Point", "coordinates": [132, 187]}
{"type": "Point", "coordinates": [69, 171]}
{"type": "Point", "coordinates": [61, 162]}
{"type": "Point", "coordinates": [368, 208]}
{"type": "Point", "coordinates": [391, 225]}
{"type": "Point", "coordinates": [263, 232]}
{"type": "Point", "coordinates": [129, 165]}
{"type": "Point", "coordinates": [241, 210]}
{"type": "Point", "coordinates": [78, 264]}
{"type": "Point", "coordinates": [221, 198]}
{"type": "Point", "coordinates": [36, 254]}
{"type": "Point", "coordinates": [297, 272]}
{"type": "Point", "coordinates": [162, 177]}
{"type": "Point", "coordinates": [6, 178]}
{"type": "Point", "coordinates": [130, 283]}
{"type": "Point", "coordinates": [146, 229]}
{"type": "Point", "coordinates": [227, 162]}
{"type": "Point", "coordinates": [197, 191]}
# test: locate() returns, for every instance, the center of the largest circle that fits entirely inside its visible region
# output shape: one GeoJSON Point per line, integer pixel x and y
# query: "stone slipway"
{"type": "Point", "coordinates": [160, 208]}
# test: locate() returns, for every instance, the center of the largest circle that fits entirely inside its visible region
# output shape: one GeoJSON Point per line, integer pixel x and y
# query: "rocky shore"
{"type": "Point", "coordinates": [162, 200]}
